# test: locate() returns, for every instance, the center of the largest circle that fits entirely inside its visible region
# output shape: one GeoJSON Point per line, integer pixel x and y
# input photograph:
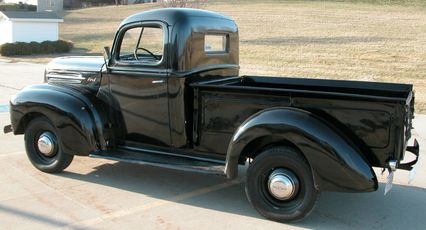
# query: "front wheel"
{"type": "Point", "coordinates": [43, 148]}
{"type": "Point", "coordinates": [280, 185]}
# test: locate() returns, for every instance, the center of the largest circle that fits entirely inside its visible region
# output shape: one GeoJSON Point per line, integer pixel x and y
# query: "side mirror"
{"type": "Point", "coordinates": [107, 54]}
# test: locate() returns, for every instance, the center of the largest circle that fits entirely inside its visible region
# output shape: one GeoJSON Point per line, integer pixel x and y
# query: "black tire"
{"type": "Point", "coordinates": [58, 161]}
{"type": "Point", "coordinates": [297, 206]}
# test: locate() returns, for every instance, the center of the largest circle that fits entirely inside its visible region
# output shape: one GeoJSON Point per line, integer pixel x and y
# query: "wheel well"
{"type": "Point", "coordinates": [256, 146]}
{"type": "Point", "coordinates": [25, 120]}
{"type": "Point", "coordinates": [260, 144]}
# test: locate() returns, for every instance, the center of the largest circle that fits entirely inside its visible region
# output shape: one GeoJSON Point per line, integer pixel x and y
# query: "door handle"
{"type": "Point", "coordinates": [158, 81]}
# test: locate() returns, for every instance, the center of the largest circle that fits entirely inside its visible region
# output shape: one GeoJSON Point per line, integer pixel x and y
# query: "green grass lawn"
{"type": "Point", "coordinates": [370, 40]}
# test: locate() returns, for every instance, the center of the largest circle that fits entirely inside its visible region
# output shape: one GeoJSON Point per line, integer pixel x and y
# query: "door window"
{"type": "Point", "coordinates": [142, 45]}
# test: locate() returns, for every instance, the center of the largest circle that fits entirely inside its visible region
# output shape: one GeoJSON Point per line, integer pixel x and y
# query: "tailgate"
{"type": "Point", "coordinates": [408, 126]}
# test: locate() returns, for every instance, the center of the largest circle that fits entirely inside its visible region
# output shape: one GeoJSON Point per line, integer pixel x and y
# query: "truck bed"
{"type": "Point", "coordinates": [369, 113]}
{"type": "Point", "coordinates": [360, 89]}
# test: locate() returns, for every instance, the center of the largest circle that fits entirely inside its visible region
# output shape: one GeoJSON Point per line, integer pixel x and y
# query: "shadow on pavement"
{"type": "Point", "coordinates": [351, 210]}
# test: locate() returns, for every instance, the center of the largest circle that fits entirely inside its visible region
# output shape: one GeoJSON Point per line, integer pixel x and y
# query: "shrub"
{"type": "Point", "coordinates": [23, 48]}
{"type": "Point", "coordinates": [18, 7]}
{"type": "Point", "coordinates": [36, 48]}
{"type": "Point", "coordinates": [46, 47]}
{"type": "Point", "coordinates": [7, 49]}
{"type": "Point", "coordinates": [63, 46]}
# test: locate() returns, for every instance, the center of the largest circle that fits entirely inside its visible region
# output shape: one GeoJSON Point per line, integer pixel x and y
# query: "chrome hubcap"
{"type": "Point", "coordinates": [46, 144]}
{"type": "Point", "coordinates": [282, 185]}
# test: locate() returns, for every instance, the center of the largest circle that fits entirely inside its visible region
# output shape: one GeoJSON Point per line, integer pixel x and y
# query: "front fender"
{"type": "Point", "coordinates": [73, 117]}
{"type": "Point", "coordinates": [336, 163]}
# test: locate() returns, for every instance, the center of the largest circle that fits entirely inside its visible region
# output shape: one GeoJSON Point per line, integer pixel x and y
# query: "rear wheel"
{"type": "Point", "coordinates": [43, 148]}
{"type": "Point", "coordinates": [280, 185]}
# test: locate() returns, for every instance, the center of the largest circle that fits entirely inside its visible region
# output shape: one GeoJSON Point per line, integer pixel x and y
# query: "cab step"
{"type": "Point", "coordinates": [162, 160]}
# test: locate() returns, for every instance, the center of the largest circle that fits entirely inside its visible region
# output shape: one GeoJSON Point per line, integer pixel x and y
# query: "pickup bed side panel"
{"type": "Point", "coordinates": [372, 124]}
{"type": "Point", "coordinates": [336, 163]}
{"type": "Point", "coordinates": [75, 119]}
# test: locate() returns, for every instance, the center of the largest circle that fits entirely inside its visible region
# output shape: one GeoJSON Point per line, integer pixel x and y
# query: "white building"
{"type": "Point", "coordinates": [24, 26]}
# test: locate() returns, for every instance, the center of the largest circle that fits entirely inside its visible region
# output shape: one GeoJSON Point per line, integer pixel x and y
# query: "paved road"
{"type": "Point", "coordinates": [102, 194]}
{"type": "Point", "coordinates": [15, 76]}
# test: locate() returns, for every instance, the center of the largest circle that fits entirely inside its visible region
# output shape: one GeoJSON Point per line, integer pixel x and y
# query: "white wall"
{"type": "Point", "coordinates": [35, 31]}
{"type": "Point", "coordinates": [5, 31]}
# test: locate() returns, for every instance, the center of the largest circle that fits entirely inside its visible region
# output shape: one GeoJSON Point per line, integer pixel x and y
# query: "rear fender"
{"type": "Point", "coordinates": [336, 163]}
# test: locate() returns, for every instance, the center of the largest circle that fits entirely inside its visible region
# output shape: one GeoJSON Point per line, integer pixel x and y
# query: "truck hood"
{"type": "Point", "coordinates": [75, 70]}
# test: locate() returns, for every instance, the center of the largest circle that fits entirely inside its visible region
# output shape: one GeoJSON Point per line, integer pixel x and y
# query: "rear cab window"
{"type": "Point", "coordinates": [216, 44]}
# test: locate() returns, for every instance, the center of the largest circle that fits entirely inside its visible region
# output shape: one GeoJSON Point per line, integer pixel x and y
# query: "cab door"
{"type": "Point", "coordinates": [138, 80]}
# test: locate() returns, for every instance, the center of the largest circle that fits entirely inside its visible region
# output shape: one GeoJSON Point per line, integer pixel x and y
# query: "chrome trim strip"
{"type": "Point", "coordinates": [73, 76]}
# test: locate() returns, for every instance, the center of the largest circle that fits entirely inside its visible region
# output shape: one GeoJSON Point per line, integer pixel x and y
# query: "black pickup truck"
{"type": "Point", "coordinates": [168, 94]}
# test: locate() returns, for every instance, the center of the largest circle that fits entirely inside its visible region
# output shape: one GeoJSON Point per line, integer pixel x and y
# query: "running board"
{"type": "Point", "coordinates": [161, 160]}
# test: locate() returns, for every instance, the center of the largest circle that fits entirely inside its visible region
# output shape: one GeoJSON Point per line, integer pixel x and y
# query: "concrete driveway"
{"type": "Point", "coordinates": [102, 194]}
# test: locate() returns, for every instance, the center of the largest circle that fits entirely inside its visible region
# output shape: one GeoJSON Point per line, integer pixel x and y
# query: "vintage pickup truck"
{"type": "Point", "coordinates": [168, 94]}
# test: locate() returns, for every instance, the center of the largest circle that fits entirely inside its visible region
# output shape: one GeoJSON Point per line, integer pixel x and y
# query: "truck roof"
{"type": "Point", "coordinates": [172, 15]}
{"type": "Point", "coordinates": [186, 38]}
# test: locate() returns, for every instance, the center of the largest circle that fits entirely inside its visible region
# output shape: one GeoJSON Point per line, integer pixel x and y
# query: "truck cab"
{"type": "Point", "coordinates": [168, 93]}
{"type": "Point", "coordinates": [155, 56]}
